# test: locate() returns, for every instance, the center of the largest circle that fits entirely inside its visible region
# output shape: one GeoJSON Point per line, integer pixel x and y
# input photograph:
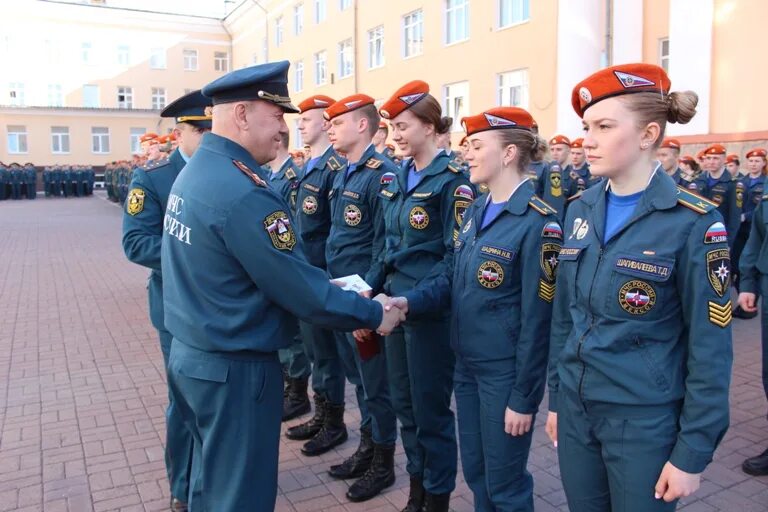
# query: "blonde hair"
{"type": "Point", "coordinates": [650, 107]}
{"type": "Point", "coordinates": [529, 145]}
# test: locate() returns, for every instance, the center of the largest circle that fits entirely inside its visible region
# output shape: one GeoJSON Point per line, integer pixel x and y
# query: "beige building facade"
{"type": "Point", "coordinates": [475, 54]}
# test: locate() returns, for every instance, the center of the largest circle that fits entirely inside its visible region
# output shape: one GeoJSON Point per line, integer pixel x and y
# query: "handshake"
{"type": "Point", "coordinates": [395, 310]}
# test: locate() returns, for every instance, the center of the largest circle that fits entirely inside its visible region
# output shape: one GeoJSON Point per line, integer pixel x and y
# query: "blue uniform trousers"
{"type": "Point", "coordinates": [420, 366]}
{"type": "Point", "coordinates": [494, 462]}
{"type": "Point", "coordinates": [232, 404]}
{"type": "Point", "coordinates": [295, 360]}
{"type": "Point", "coordinates": [611, 456]}
{"type": "Point", "coordinates": [327, 369]}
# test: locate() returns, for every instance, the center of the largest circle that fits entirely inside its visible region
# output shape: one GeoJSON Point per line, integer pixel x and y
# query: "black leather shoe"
{"type": "Point", "coordinates": [332, 434]}
{"type": "Point", "coordinates": [380, 475]}
{"type": "Point", "coordinates": [415, 496]}
{"type": "Point", "coordinates": [437, 502]}
{"type": "Point", "coordinates": [177, 505]}
{"type": "Point", "coordinates": [740, 313]}
{"type": "Point", "coordinates": [309, 429]}
{"type": "Point", "coordinates": [756, 466]}
{"type": "Point", "coordinates": [359, 462]}
{"type": "Point", "coordinates": [296, 400]}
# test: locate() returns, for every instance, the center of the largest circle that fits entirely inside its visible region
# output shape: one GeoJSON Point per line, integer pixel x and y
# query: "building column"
{"type": "Point", "coordinates": [627, 31]}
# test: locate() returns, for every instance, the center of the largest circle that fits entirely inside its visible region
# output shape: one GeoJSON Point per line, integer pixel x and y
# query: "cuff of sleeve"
{"type": "Point", "coordinates": [747, 285]}
{"type": "Point", "coordinates": [415, 306]}
{"type": "Point", "coordinates": [688, 460]}
{"type": "Point", "coordinates": [376, 314]}
{"type": "Point", "coordinates": [552, 400]}
{"type": "Point", "coordinates": [520, 404]}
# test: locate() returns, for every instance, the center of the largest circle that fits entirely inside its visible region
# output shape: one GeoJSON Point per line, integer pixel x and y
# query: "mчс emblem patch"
{"type": "Point", "coordinates": [135, 201]}
{"type": "Point", "coordinates": [419, 218]}
{"type": "Point", "coordinates": [278, 226]}
{"type": "Point", "coordinates": [637, 297]}
{"type": "Point", "coordinates": [490, 274]}
{"type": "Point", "coordinates": [719, 270]}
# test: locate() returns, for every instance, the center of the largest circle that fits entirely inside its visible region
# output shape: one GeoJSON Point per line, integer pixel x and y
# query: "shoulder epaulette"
{"type": "Point", "coordinates": [334, 163]}
{"type": "Point", "coordinates": [154, 164]}
{"type": "Point", "coordinates": [453, 167]}
{"type": "Point", "coordinates": [245, 170]}
{"type": "Point", "coordinates": [575, 196]}
{"type": "Point", "coordinates": [373, 163]}
{"type": "Point", "coordinates": [540, 206]}
{"type": "Point", "coordinates": [694, 201]}
{"type": "Point", "coordinates": [290, 174]}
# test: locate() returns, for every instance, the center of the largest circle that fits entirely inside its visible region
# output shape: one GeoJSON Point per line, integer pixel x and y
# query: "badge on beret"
{"type": "Point", "coordinates": [459, 209]}
{"type": "Point", "coordinates": [556, 182]}
{"type": "Point", "coordinates": [719, 270]}
{"type": "Point", "coordinates": [637, 297]}
{"type": "Point", "coordinates": [352, 215]}
{"type": "Point", "coordinates": [309, 206]}
{"type": "Point", "coordinates": [585, 95]}
{"type": "Point", "coordinates": [490, 274]}
{"type": "Point", "coordinates": [629, 81]}
{"type": "Point", "coordinates": [419, 218]}
{"type": "Point", "coordinates": [135, 202]}
{"type": "Point", "coordinates": [548, 260]}
{"type": "Point", "coordinates": [719, 315]}
{"type": "Point", "coordinates": [278, 226]}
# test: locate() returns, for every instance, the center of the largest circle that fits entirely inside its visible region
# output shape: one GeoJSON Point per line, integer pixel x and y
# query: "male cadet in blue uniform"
{"type": "Point", "coordinates": [142, 236]}
{"type": "Point", "coordinates": [732, 165]}
{"type": "Point", "coordinates": [555, 182]}
{"type": "Point", "coordinates": [717, 185]}
{"type": "Point", "coordinates": [578, 176]}
{"type": "Point", "coordinates": [380, 142]}
{"type": "Point", "coordinates": [355, 241]}
{"type": "Point", "coordinates": [668, 156]}
{"type": "Point", "coordinates": [326, 428]}
{"type": "Point", "coordinates": [235, 277]}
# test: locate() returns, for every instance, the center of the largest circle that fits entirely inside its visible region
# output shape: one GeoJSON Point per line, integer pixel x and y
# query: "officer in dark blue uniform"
{"type": "Point", "coordinates": [717, 185]}
{"type": "Point", "coordinates": [500, 292]}
{"type": "Point", "coordinates": [640, 355]}
{"type": "Point", "coordinates": [355, 240]}
{"type": "Point", "coordinates": [142, 236]}
{"type": "Point", "coordinates": [16, 180]}
{"type": "Point", "coordinates": [235, 277]}
{"type": "Point", "coordinates": [753, 271]}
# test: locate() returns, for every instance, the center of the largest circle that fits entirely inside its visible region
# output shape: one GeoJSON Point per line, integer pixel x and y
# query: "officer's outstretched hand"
{"type": "Point", "coordinates": [400, 303]}
{"type": "Point", "coordinates": [551, 427]}
{"type": "Point", "coordinates": [675, 483]}
{"type": "Point", "coordinates": [748, 301]}
{"type": "Point", "coordinates": [516, 424]}
{"type": "Point", "coordinates": [390, 320]}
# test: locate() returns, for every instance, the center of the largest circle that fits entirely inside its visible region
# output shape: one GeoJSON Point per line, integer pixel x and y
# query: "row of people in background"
{"type": "Point", "coordinates": [154, 149]}
{"type": "Point", "coordinates": [18, 181]}
{"type": "Point", "coordinates": [68, 180]}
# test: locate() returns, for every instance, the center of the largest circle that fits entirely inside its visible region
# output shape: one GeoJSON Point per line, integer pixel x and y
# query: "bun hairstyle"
{"type": "Point", "coordinates": [681, 106]}
{"type": "Point", "coordinates": [530, 147]}
{"type": "Point", "coordinates": [649, 107]}
{"type": "Point", "coordinates": [428, 111]}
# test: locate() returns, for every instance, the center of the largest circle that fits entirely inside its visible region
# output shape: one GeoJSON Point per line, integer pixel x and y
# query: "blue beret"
{"type": "Point", "coordinates": [192, 108]}
{"type": "Point", "coordinates": [268, 82]}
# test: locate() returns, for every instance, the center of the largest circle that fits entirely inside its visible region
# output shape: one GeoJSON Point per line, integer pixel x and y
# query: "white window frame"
{"type": "Point", "coordinates": [279, 30]}
{"type": "Point", "coordinates": [298, 18]}
{"type": "Point", "coordinates": [190, 57]}
{"type": "Point", "coordinates": [55, 95]}
{"type": "Point", "coordinates": [123, 55]}
{"type": "Point", "coordinates": [20, 144]}
{"type": "Point", "coordinates": [346, 59]}
{"type": "Point", "coordinates": [159, 98]}
{"type": "Point", "coordinates": [60, 140]}
{"type": "Point", "coordinates": [412, 29]}
{"type": "Point", "coordinates": [376, 61]}
{"type": "Point", "coordinates": [221, 61]}
{"type": "Point", "coordinates": [516, 7]}
{"type": "Point", "coordinates": [345, 4]}
{"type": "Point", "coordinates": [664, 59]}
{"type": "Point", "coordinates": [91, 87]}
{"type": "Point", "coordinates": [86, 55]}
{"type": "Point", "coordinates": [16, 94]}
{"type": "Point", "coordinates": [298, 76]}
{"type": "Point", "coordinates": [450, 10]}
{"type": "Point", "coordinates": [519, 78]}
{"type": "Point", "coordinates": [158, 58]}
{"type": "Point", "coordinates": [127, 94]}
{"type": "Point", "coordinates": [135, 139]}
{"type": "Point", "coordinates": [451, 108]}
{"type": "Point", "coordinates": [100, 137]}
{"type": "Point", "coordinates": [320, 11]}
{"type": "Point", "coordinates": [321, 67]}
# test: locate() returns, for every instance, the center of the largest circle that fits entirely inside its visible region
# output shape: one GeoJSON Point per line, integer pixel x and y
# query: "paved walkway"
{"type": "Point", "coordinates": [82, 392]}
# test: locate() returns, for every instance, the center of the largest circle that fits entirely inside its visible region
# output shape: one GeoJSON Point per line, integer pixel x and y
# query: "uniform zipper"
{"type": "Point", "coordinates": [591, 325]}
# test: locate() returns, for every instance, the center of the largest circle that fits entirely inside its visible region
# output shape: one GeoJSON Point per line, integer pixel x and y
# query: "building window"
{"type": "Point", "coordinates": [413, 33]}
{"type": "Point", "coordinates": [297, 142]}
{"type": "Point", "coordinates": [279, 31]}
{"type": "Point", "coordinates": [55, 95]}
{"type": "Point", "coordinates": [59, 139]}
{"type": "Point", "coordinates": [346, 63]}
{"type": "Point", "coordinates": [321, 58]}
{"type": "Point", "coordinates": [298, 19]}
{"type": "Point", "coordinates": [136, 134]}
{"type": "Point", "coordinates": [17, 139]}
{"type": "Point", "coordinates": [190, 60]}
{"type": "Point", "coordinates": [16, 94]}
{"type": "Point", "coordinates": [124, 97]}
{"type": "Point", "coordinates": [85, 52]}
{"type": "Point", "coordinates": [512, 12]}
{"type": "Point", "coordinates": [158, 98]}
{"type": "Point", "coordinates": [91, 96]}
{"type": "Point", "coordinates": [298, 76]}
{"type": "Point", "coordinates": [320, 11]}
{"type": "Point", "coordinates": [344, 4]}
{"type": "Point", "coordinates": [123, 55]}
{"type": "Point", "coordinates": [100, 139]}
{"type": "Point", "coordinates": [456, 102]}
{"type": "Point", "coordinates": [221, 61]}
{"type": "Point", "coordinates": [157, 58]}
{"type": "Point", "coordinates": [512, 89]}
{"type": "Point", "coordinates": [664, 53]}
{"type": "Point", "coordinates": [376, 47]}
{"type": "Point", "coordinates": [456, 21]}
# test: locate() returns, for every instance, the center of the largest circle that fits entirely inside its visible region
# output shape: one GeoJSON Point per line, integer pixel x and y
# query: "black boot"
{"type": "Point", "coordinates": [380, 475]}
{"type": "Point", "coordinates": [177, 505]}
{"type": "Point", "coordinates": [740, 313]}
{"type": "Point", "coordinates": [296, 400]}
{"type": "Point", "coordinates": [756, 466]}
{"type": "Point", "coordinates": [309, 429]}
{"type": "Point", "coordinates": [359, 462]}
{"type": "Point", "coordinates": [332, 433]}
{"type": "Point", "coordinates": [415, 496]}
{"type": "Point", "coordinates": [437, 502]}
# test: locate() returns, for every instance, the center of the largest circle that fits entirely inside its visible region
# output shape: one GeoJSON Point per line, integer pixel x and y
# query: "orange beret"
{"type": "Point", "coordinates": [715, 149]}
{"type": "Point", "coordinates": [499, 118]}
{"type": "Point", "coordinates": [463, 141]}
{"type": "Point", "coordinates": [559, 139]}
{"type": "Point", "coordinates": [757, 152]}
{"type": "Point", "coordinates": [577, 143]}
{"type": "Point", "coordinates": [317, 101]}
{"type": "Point", "coordinates": [732, 159]}
{"type": "Point", "coordinates": [147, 137]}
{"type": "Point", "coordinates": [617, 80]}
{"type": "Point", "coordinates": [404, 98]}
{"type": "Point", "coordinates": [347, 104]}
{"type": "Point", "coordinates": [671, 143]}
{"type": "Point", "coordinates": [688, 159]}
{"type": "Point", "coordinates": [383, 125]}
{"type": "Point", "coordinates": [163, 139]}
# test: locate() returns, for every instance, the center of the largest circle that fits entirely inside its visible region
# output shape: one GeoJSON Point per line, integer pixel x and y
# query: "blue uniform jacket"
{"type": "Point", "coordinates": [723, 194]}
{"type": "Point", "coordinates": [357, 225]}
{"type": "Point", "coordinates": [421, 225]}
{"type": "Point", "coordinates": [644, 319]}
{"type": "Point", "coordinates": [143, 223]}
{"type": "Point", "coordinates": [754, 258]}
{"type": "Point", "coordinates": [749, 194]}
{"type": "Point", "coordinates": [286, 182]}
{"type": "Point", "coordinates": [536, 173]}
{"type": "Point", "coordinates": [234, 274]}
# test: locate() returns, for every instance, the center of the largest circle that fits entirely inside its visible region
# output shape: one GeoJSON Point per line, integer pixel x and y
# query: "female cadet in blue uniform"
{"type": "Point", "coordinates": [640, 355]}
{"type": "Point", "coordinates": [500, 293]}
{"type": "Point", "coordinates": [235, 279]}
{"type": "Point", "coordinates": [717, 185]}
{"type": "Point", "coordinates": [424, 203]}
{"type": "Point", "coordinates": [142, 235]}
{"type": "Point", "coordinates": [753, 271]}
